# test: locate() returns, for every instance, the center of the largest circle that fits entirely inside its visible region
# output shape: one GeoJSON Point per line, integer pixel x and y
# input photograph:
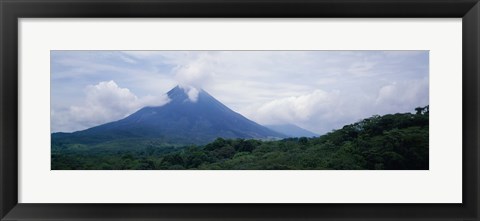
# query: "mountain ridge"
{"type": "Point", "coordinates": [291, 130]}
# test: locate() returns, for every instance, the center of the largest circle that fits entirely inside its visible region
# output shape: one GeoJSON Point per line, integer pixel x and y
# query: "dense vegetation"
{"type": "Point", "coordinates": [390, 142]}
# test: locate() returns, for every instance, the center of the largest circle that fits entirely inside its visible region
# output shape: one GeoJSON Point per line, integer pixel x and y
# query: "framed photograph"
{"type": "Point", "coordinates": [239, 110]}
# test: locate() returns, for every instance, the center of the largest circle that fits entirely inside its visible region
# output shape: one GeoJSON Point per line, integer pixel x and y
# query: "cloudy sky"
{"type": "Point", "coordinates": [317, 90]}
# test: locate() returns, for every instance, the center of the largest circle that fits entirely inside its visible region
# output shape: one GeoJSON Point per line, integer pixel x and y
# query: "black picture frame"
{"type": "Point", "coordinates": [12, 10]}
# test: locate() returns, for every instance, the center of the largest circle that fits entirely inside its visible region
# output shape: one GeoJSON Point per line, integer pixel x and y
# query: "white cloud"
{"type": "Point", "coordinates": [321, 111]}
{"type": "Point", "coordinates": [401, 95]}
{"type": "Point", "coordinates": [196, 72]}
{"type": "Point", "coordinates": [314, 111]}
{"type": "Point", "coordinates": [293, 109]}
{"type": "Point", "coordinates": [104, 102]}
{"type": "Point", "coordinates": [192, 93]}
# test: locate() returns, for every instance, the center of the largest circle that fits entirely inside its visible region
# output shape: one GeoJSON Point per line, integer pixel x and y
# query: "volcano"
{"type": "Point", "coordinates": [181, 121]}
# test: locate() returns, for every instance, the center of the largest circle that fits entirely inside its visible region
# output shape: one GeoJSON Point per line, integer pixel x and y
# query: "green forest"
{"type": "Point", "coordinates": [390, 142]}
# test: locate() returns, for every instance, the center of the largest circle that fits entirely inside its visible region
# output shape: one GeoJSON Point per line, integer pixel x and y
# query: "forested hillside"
{"type": "Point", "coordinates": [390, 142]}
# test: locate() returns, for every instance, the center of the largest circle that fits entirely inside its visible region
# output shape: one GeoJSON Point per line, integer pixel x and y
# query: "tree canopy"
{"type": "Point", "coordinates": [390, 142]}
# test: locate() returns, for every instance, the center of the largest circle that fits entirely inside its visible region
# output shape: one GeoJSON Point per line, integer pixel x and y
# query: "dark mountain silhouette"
{"type": "Point", "coordinates": [291, 130]}
{"type": "Point", "coordinates": [181, 121]}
